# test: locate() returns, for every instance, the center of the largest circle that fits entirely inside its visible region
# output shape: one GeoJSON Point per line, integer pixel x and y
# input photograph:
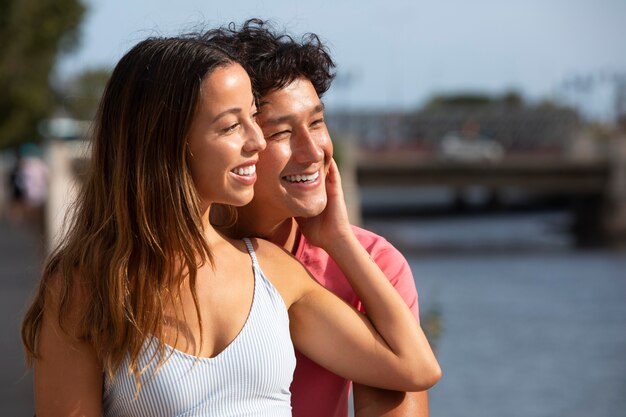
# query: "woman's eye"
{"type": "Point", "coordinates": [231, 128]}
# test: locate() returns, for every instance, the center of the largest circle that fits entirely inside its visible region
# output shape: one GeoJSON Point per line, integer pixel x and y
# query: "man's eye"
{"type": "Point", "coordinates": [317, 122]}
{"type": "Point", "coordinates": [280, 135]}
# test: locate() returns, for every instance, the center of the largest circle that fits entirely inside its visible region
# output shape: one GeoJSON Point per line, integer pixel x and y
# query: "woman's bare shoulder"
{"type": "Point", "coordinates": [272, 255]}
{"type": "Point", "coordinates": [65, 300]}
{"type": "Point", "coordinates": [285, 272]}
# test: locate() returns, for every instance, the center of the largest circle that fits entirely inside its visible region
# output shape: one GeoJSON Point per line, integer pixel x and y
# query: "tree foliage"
{"type": "Point", "coordinates": [81, 94]}
{"type": "Point", "coordinates": [32, 34]}
{"type": "Point", "coordinates": [509, 98]}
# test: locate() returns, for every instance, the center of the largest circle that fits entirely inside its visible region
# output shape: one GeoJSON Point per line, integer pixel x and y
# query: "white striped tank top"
{"type": "Point", "coordinates": [250, 377]}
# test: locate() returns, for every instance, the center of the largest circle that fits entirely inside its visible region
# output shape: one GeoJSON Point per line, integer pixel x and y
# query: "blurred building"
{"type": "Point", "coordinates": [517, 129]}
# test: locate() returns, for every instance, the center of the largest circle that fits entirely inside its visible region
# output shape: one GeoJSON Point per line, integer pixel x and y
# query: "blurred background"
{"type": "Point", "coordinates": [486, 140]}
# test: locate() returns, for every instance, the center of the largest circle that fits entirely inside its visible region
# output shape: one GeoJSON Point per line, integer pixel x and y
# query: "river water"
{"type": "Point", "coordinates": [529, 325]}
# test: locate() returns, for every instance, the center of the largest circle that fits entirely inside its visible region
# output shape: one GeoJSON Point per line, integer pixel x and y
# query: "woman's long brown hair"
{"type": "Point", "coordinates": [136, 229]}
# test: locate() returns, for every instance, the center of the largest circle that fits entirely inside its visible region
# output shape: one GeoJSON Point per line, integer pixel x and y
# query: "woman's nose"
{"type": "Point", "coordinates": [256, 141]}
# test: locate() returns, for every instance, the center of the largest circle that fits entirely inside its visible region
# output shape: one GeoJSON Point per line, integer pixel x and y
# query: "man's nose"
{"type": "Point", "coordinates": [307, 148]}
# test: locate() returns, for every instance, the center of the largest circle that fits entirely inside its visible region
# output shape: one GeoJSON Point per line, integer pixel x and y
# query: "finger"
{"type": "Point", "coordinates": [328, 166]}
{"type": "Point", "coordinates": [333, 172]}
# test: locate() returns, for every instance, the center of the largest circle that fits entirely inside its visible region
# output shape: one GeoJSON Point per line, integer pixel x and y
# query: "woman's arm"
{"type": "Point", "coordinates": [385, 308]}
{"type": "Point", "coordinates": [390, 351]}
{"type": "Point", "coordinates": [68, 379]}
{"type": "Point", "coordinates": [375, 402]}
{"type": "Point", "coordinates": [387, 348]}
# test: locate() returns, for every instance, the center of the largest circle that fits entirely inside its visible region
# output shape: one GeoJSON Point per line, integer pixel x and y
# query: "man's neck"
{"type": "Point", "coordinates": [286, 234]}
{"type": "Point", "coordinates": [283, 233]}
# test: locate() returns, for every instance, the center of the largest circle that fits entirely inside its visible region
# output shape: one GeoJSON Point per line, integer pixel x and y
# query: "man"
{"type": "Point", "coordinates": [289, 78]}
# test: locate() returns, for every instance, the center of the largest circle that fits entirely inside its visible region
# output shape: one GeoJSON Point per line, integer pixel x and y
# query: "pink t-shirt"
{"type": "Point", "coordinates": [316, 392]}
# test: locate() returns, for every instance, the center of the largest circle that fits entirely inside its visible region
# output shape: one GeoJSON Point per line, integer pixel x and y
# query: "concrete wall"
{"type": "Point", "coordinates": [61, 157]}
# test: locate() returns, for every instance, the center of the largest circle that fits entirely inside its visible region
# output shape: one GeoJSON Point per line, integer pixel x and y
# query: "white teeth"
{"type": "Point", "coordinates": [302, 178]}
{"type": "Point", "coordinates": [249, 170]}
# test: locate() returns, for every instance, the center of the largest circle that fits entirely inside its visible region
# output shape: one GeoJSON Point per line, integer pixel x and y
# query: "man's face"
{"type": "Point", "coordinates": [292, 169]}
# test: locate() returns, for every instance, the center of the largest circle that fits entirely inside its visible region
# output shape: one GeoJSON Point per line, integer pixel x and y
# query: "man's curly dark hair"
{"type": "Point", "coordinates": [274, 59]}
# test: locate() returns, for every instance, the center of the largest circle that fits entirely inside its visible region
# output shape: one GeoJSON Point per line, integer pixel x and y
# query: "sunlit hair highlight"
{"type": "Point", "coordinates": [275, 59]}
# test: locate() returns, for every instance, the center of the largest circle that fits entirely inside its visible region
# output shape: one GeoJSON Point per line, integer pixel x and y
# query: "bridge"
{"type": "Point", "coordinates": [535, 174]}
{"type": "Point", "coordinates": [594, 188]}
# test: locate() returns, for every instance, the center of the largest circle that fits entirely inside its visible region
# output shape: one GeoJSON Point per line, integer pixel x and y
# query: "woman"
{"type": "Point", "coordinates": [146, 310]}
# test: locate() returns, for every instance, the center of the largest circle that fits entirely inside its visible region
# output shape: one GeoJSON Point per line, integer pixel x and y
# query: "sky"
{"type": "Point", "coordinates": [396, 54]}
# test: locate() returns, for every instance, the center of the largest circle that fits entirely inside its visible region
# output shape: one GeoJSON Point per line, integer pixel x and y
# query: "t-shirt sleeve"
{"type": "Point", "coordinates": [397, 270]}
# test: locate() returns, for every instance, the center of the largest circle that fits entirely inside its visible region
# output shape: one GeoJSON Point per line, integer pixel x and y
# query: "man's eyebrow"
{"type": "Point", "coordinates": [319, 108]}
{"type": "Point", "coordinates": [282, 119]}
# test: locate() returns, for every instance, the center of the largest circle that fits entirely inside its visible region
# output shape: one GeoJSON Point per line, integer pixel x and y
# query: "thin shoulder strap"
{"type": "Point", "coordinates": [255, 263]}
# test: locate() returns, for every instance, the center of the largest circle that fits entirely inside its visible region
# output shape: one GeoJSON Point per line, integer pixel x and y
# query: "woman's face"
{"type": "Point", "coordinates": [224, 139]}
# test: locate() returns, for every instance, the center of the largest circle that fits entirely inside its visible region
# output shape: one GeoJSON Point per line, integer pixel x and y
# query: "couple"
{"type": "Point", "coordinates": [166, 298]}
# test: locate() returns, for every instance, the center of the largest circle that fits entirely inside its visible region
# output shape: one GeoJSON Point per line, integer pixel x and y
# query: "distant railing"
{"type": "Point", "coordinates": [532, 173]}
